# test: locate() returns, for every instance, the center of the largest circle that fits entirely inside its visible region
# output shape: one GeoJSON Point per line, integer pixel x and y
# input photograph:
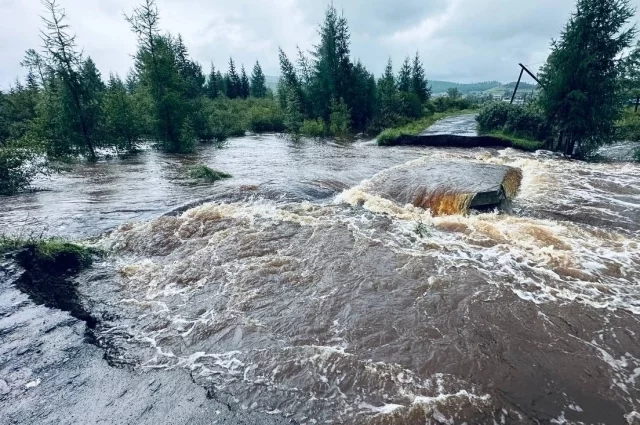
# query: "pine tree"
{"type": "Point", "coordinates": [419, 84]}
{"type": "Point", "coordinates": [405, 81]}
{"type": "Point", "coordinates": [233, 81]}
{"type": "Point", "coordinates": [244, 83]}
{"type": "Point", "coordinates": [581, 95]}
{"type": "Point", "coordinates": [258, 82]}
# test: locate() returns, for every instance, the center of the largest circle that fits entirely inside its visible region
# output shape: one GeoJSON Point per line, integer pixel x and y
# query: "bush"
{"type": "Point", "coordinates": [313, 128]}
{"type": "Point", "coordinates": [264, 119]}
{"type": "Point", "coordinates": [18, 167]}
{"type": "Point", "coordinates": [445, 103]}
{"type": "Point", "coordinates": [210, 175]}
{"type": "Point", "coordinates": [523, 122]}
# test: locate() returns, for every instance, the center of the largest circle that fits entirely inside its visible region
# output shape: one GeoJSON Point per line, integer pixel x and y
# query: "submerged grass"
{"type": "Point", "coordinates": [391, 136]}
{"type": "Point", "coordinates": [210, 175]}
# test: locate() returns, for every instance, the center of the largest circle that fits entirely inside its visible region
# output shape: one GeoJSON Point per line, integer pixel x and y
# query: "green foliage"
{"type": "Point", "coordinates": [210, 175]}
{"type": "Point", "coordinates": [19, 165]}
{"type": "Point", "coordinates": [517, 122]}
{"type": "Point", "coordinates": [122, 127]}
{"type": "Point", "coordinates": [293, 118]}
{"type": "Point", "coordinates": [339, 121]}
{"type": "Point", "coordinates": [263, 118]}
{"type": "Point", "coordinates": [628, 128]}
{"type": "Point", "coordinates": [447, 103]}
{"type": "Point", "coordinates": [313, 128]}
{"type": "Point", "coordinates": [581, 95]}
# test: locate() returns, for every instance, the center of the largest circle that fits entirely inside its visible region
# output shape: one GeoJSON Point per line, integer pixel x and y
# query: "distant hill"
{"type": "Point", "coordinates": [442, 86]}
{"type": "Point", "coordinates": [439, 87]}
{"type": "Point", "coordinates": [489, 87]}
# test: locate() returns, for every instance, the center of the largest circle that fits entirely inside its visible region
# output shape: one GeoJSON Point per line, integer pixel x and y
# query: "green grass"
{"type": "Point", "coordinates": [391, 136]}
{"type": "Point", "coordinates": [48, 249]}
{"type": "Point", "coordinates": [210, 175]}
{"type": "Point", "coordinates": [517, 142]}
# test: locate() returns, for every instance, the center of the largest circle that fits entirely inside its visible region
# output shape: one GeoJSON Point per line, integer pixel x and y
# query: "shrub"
{"type": "Point", "coordinates": [18, 167]}
{"type": "Point", "coordinates": [523, 122]}
{"type": "Point", "coordinates": [493, 116]}
{"type": "Point", "coordinates": [263, 119]}
{"type": "Point", "coordinates": [313, 128]}
{"type": "Point", "coordinates": [210, 175]}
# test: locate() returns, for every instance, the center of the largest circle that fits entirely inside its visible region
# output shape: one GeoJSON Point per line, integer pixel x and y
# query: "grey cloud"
{"type": "Point", "coordinates": [464, 40]}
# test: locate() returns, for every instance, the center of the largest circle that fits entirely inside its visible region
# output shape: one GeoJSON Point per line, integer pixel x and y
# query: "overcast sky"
{"type": "Point", "coordinates": [459, 40]}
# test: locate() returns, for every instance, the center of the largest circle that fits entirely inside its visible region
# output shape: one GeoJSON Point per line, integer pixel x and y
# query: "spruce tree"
{"type": "Point", "coordinates": [233, 81]}
{"type": "Point", "coordinates": [419, 84]}
{"type": "Point", "coordinates": [244, 84]}
{"type": "Point", "coordinates": [258, 82]}
{"type": "Point", "coordinates": [92, 95]}
{"type": "Point", "coordinates": [405, 81]}
{"type": "Point", "coordinates": [581, 94]}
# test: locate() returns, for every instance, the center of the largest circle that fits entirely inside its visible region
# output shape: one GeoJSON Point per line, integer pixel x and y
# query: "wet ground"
{"type": "Point", "coordinates": [306, 290]}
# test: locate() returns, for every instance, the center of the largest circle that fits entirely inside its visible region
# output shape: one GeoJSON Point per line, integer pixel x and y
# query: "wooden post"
{"type": "Point", "coordinates": [517, 85]}
{"type": "Point", "coordinates": [637, 103]}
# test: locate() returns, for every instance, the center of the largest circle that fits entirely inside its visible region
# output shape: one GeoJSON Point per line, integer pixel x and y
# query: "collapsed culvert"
{"type": "Point", "coordinates": [448, 188]}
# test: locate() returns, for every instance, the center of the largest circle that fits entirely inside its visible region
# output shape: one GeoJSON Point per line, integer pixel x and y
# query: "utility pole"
{"type": "Point", "coordinates": [524, 68]}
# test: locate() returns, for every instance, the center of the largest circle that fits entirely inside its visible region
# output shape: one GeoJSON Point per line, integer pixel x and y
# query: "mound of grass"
{"type": "Point", "coordinates": [210, 175]}
{"type": "Point", "coordinates": [391, 136]}
{"type": "Point", "coordinates": [50, 253]}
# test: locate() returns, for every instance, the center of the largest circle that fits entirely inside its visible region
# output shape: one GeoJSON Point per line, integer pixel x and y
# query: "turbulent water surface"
{"type": "Point", "coordinates": [303, 288]}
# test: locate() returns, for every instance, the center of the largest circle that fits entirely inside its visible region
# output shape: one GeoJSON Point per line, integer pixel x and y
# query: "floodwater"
{"type": "Point", "coordinates": [305, 289]}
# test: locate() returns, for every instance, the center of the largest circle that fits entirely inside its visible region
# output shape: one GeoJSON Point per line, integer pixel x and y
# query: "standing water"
{"type": "Point", "coordinates": [307, 289]}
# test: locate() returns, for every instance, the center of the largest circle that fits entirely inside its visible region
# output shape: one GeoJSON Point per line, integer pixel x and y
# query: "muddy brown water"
{"type": "Point", "coordinates": [297, 291]}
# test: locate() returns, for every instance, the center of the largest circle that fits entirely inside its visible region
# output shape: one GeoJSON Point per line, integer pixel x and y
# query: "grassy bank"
{"type": "Point", "coordinates": [50, 251]}
{"type": "Point", "coordinates": [391, 136]}
{"type": "Point", "coordinates": [516, 142]}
